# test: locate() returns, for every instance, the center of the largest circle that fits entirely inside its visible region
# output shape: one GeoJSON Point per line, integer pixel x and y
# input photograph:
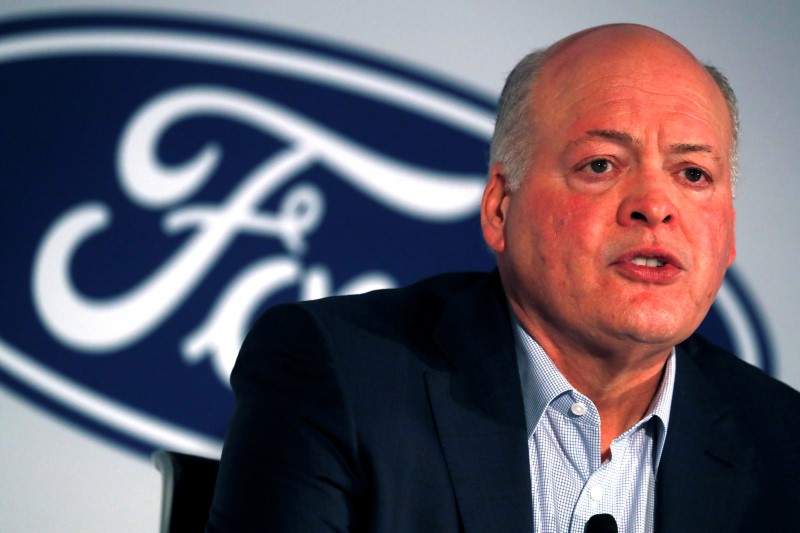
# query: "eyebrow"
{"type": "Point", "coordinates": [690, 148]}
{"type": "Point", "coordinates": [624, 137]}
{"type": "Point", "coordinates": [614, 135]}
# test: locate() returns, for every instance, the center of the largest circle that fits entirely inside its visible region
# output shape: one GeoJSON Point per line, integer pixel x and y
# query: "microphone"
{"type": "Point", "coordinates": [601, 523]}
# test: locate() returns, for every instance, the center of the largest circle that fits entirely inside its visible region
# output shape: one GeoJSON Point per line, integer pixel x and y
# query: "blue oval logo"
{"type": "Point", "coordinates": [166, 181]}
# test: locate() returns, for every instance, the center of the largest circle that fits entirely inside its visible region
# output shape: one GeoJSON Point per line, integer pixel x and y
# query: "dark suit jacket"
{"type": "Point", "coordinates": [401, 411]}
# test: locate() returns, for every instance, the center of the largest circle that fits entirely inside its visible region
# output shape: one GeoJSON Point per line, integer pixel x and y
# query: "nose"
{"type": "Point", "coordinates": [647, 203]}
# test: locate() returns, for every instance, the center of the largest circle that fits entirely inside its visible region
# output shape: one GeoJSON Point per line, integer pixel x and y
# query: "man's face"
{"type": "Point", "coordinates": [623, 227]}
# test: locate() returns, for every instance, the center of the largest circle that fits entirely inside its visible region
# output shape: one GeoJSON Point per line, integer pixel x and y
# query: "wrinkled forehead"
{"type": "Point", "coordinates": [596, 62]}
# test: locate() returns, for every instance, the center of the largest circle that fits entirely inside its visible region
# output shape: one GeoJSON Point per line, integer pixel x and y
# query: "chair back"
{"type": "Point", "coordinates": [187, 490]}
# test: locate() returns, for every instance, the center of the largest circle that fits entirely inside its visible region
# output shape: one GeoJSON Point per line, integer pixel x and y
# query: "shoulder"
{"type": "Point", "coordinates": [733, 441]}
{"type": "Point", "coordinates": [762, 402]}
{"type": "Point", "coordinates": [377, 321]}
{"type": "Point", "coordinates": [414, 306]}
{"type": "Point", "coordinates": [731, 373]}
{"type": "Point", "coordinates": [439, 288]}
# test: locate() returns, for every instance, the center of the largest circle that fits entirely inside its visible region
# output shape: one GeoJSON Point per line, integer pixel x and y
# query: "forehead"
{"type": "Point", "coordinates": [643, 80]}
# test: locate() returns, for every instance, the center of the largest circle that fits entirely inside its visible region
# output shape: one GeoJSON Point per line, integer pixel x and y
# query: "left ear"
{"type": "Point", "coordinates": [494, 206]}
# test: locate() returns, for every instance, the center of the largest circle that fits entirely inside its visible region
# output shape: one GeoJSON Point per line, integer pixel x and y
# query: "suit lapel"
{"type": "Point", "coordinates": [704, 456]}
{"type": "Point", "coordinates": [479, 412]}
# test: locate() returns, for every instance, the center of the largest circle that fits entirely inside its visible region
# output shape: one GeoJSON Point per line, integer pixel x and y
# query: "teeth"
{"type": "Point", "coordinates": [647, 261]}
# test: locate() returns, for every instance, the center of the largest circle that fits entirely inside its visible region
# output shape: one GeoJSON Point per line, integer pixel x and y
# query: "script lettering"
{"type": "Point", "coordinates": [101, 326]}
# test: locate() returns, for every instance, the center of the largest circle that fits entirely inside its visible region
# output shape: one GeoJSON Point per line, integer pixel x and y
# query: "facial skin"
{"type": "Point", "coordinates": [630, 158]}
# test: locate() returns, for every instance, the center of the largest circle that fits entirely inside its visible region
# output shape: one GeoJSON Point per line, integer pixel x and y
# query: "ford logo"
{"type": "Point", "coordinates": [165, 181]}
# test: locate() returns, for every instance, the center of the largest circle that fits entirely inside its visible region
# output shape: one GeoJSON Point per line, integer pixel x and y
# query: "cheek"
{"type": "Point", "coordinates": [575, 230]}
{"type": "Point", "coordinates": [561, 231]}
{"type": "Point", "coordinates": [564, 214]}
{"type": "Point", "coordinates": [714, 236]}
{"type": "Point", "coordinates": [579, 223]}
{"type": "Point", "coordinates": [712, 245]}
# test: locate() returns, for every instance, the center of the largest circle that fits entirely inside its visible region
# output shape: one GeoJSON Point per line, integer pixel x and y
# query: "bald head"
{"type": "Point", "coordinates": [622, 54]}
{"type": "Point", "coordinates": [609, 37]}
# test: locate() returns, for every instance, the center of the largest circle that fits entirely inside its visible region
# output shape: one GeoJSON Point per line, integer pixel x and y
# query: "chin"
{"type": "Point", "coordinates": [657, 328]}
{"type": "Point", "coordinates": [655, 338]}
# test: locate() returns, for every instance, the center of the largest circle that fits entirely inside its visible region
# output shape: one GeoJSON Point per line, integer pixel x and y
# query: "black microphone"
{"type": "Point", "coordinates": [601, 523]}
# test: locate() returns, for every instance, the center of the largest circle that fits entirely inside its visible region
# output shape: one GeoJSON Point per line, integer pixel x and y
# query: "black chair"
{"type": "Point", "coordinates": [187, 490]}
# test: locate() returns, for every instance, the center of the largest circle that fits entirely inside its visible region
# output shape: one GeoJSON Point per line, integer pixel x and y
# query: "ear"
{"type": "Point", "coordinates": [493, 209]}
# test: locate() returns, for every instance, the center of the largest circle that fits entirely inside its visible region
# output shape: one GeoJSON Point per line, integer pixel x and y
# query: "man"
{"type": "Point", "coordinates": [563, 385]}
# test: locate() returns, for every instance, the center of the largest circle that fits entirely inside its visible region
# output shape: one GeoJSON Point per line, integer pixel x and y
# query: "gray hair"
{"type": "Point", "coordinates": [514, 127]}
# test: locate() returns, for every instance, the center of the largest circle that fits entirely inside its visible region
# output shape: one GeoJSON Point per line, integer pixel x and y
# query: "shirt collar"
{"type": "Point", "coordinates": [542, 383]}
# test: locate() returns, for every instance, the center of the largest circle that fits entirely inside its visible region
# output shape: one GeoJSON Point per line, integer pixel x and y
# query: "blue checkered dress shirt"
{"type": "Point", "coordinates": [569, 483]}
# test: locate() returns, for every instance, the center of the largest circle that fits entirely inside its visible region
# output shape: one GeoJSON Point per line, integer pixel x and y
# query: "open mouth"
{"type": "Point", "coordinates": [647, 262]}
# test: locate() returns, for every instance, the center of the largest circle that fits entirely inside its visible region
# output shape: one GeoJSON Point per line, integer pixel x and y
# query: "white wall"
{"type": "Point", "coordinates": [59, 478]}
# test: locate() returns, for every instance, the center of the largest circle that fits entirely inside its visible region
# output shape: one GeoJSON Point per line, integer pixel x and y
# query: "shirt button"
{"type": "Point", "coordinates": [578, 409]}
{"type": "Point", "coordinates": [596, 493]}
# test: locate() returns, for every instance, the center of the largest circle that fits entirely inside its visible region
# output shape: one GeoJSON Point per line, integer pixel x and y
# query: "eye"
{"type": "Point", "coordinates": [694, 175]}
{"type": "Point", "coordinates": [599, 166]}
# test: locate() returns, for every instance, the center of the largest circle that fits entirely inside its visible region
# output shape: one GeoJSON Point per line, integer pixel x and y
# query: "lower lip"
{"type": "Point", "coordinates": [662, 275]}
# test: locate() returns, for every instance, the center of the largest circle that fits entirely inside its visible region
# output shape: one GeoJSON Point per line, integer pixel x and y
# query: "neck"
{"type": "Point", "coordinates": [621, 380]}
{"type": "Point", "coordinates": [622, 395]}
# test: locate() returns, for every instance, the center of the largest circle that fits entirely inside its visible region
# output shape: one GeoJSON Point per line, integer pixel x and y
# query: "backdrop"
{"type": "Point", "coordinates": [168, 171]}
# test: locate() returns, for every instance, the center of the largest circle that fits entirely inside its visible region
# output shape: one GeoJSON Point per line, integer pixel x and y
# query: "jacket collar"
{"type": "Point", "coordinates": [478, 410]}
{"type": "Point", "coordinates": [705, 454]}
